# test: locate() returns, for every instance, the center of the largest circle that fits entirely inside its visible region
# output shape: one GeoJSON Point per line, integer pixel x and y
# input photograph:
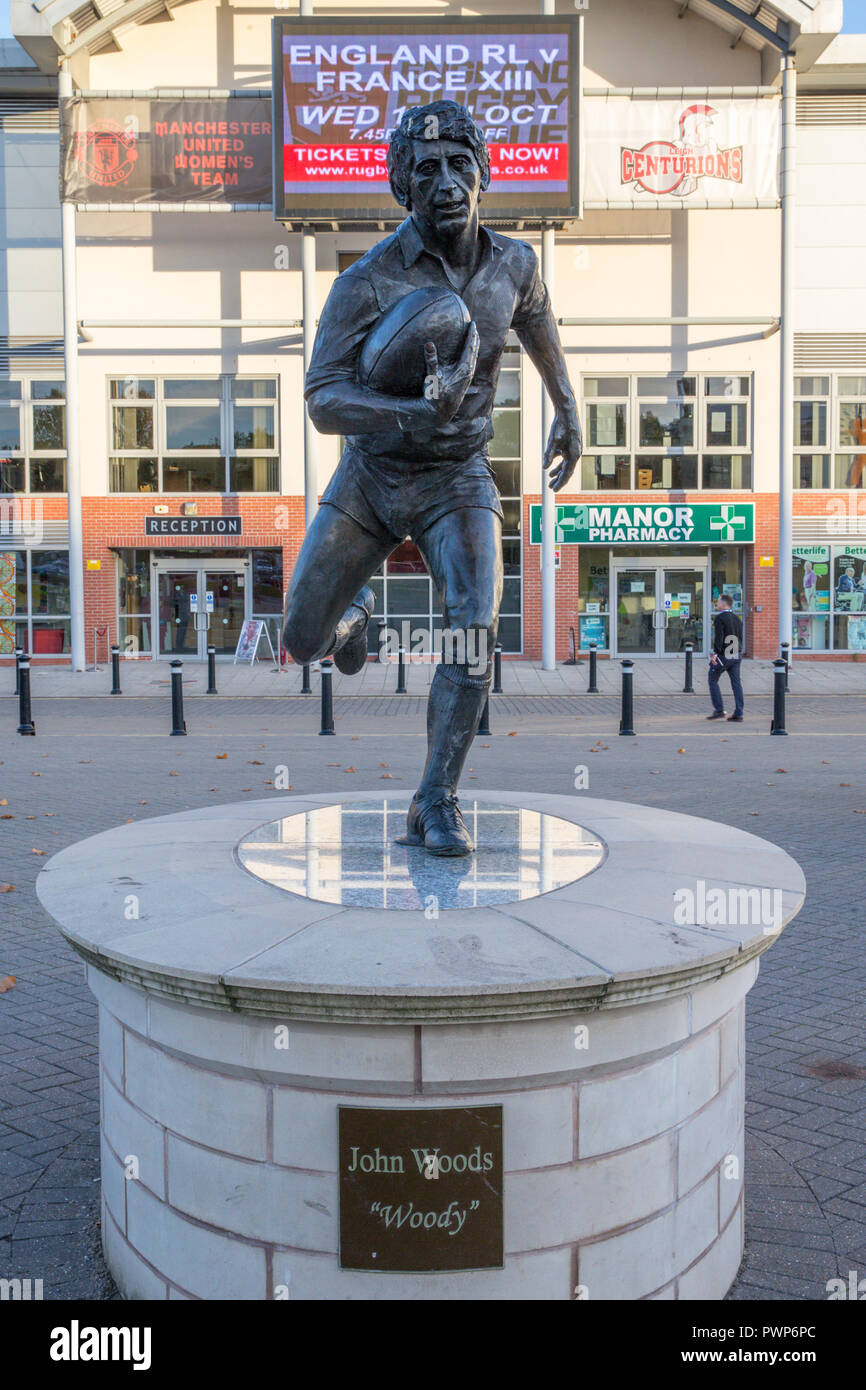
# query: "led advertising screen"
{"type": "Point", "coordinates": [341, 87]}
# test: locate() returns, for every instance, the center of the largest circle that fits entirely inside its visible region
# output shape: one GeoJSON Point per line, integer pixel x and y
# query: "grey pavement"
{"type": "Point", "coordinates": [98, 762]}
{"type": "Point", "coordinates": [651, 676]}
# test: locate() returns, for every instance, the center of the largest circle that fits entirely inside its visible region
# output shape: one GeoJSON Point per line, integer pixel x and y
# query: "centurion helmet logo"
{"type": "Point", "coordinates": [106, 153]}
{"type": "Point", "coordinates": [665, 167]}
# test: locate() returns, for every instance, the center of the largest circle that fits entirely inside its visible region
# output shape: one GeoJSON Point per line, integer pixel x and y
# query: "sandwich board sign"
{"type": "Point", "coordinates": [248, 643]}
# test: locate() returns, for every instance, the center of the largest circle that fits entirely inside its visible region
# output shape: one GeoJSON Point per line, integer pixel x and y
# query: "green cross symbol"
{"type": "Point", "coordinates": [727, 524]}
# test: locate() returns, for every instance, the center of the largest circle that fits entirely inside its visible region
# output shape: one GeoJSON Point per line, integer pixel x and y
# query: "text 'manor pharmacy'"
{"type": "Point", "coordinates": [648, 136]}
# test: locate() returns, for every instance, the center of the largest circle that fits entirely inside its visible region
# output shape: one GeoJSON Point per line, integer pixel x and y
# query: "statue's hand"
{"type": "Point", "coordinates": [566, 443]}
{"type": "Point", "coordinates": [445, 387]}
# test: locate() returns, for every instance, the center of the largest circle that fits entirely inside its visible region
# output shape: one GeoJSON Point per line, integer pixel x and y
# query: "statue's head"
{"type": "Point", "coordinates": [439, 165]}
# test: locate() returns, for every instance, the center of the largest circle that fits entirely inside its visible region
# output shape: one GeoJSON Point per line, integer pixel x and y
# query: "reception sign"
{"type": "Point", "coordinates": [698, 523]}
{"type": "Point", "coordinates": [682, 152]}
{"type": "Point", "coordinates": [138, 150]}
{"type": "Point", "coordinates": [341, 87]}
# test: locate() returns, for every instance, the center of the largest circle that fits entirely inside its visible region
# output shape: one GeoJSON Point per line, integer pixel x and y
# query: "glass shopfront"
{"type": "Point", "coordinates": [829, 598]}
{"type": "Point", "coordinates": [636, 604]}
{"type": "Point", "coordinates": [34, 602]}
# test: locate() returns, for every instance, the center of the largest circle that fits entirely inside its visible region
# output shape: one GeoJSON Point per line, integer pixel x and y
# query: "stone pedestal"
{"type": "Point", "coordinates": [259, 966]}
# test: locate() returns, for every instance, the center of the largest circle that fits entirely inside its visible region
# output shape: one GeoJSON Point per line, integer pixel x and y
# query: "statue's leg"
{"type": "Point", "coordinates": [463, 552]}
{"type": "Point", "coordinates": [336, 560]}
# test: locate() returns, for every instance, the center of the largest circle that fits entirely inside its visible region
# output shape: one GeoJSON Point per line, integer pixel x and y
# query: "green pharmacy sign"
{"type": "Point", "coordinates": [675, 523]}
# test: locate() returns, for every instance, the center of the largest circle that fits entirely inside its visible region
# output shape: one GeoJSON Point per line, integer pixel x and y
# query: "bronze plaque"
{"type": "Point", "coordinates": [421, 1190]}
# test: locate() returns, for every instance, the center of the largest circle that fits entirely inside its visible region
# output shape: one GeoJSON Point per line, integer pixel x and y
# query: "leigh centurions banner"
{"type": "Point", "coordinates": [148, 151]}
{"type": "Point", "coordinates": [724, 153]}
{"type": "Point", "coordinates": [340, 88]}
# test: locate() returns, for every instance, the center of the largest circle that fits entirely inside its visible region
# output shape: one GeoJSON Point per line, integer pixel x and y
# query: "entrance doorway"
{"type": "Point", "coordinates": [659, 606]}
{"type": "Point", "coordinates": [201, 603]}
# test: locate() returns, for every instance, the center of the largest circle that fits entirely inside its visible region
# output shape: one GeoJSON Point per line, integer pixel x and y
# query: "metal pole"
{"type": "Point", "coordinates": [786, 354]}
{"type": "Point", "coordinates": [688, 688]}
{"type": "Point", "coordinates": [592, 688]}
{"type": "Point", "coordinates": [626, 723]}
{"type": "Point", "coordinates": [778, 724]}
{"type": "Point", "coordinates": [786, 657]}
{"type": "Point", "coordinates": [115, 671]}
{"type": "Point", "coordinates": [548, 499]}
{"type": "Point", "coordinates": [401, 672]}
{"type": "Point", "coordinates": [497, 670]}
{"type": "Point", "coordinates": [308, 296]}
{"type": "Point", "coordinates": [178, 724]}
{"type": "Point", "coordinates": [326, 668]}
{"type": "Point", "coordinates": [211, 671]}
{"type": "Point", "coordinates": [25, 714]}
{"type": "Point", "coordinates": [19, 657]}
{"type": "Point", "coordinates": [306, 688]}
{"type": "Point", "coordinates": [73, 453]}
{"type": "Point", "coordinates": [484, 725]}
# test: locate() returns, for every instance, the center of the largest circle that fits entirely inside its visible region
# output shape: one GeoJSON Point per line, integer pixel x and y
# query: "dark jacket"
{"type": "Point", "coordinates": [728, 635]}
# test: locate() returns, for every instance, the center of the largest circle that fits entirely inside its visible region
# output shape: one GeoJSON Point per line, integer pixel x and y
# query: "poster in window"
{"type": "Point", "coordinates": [7, 601]}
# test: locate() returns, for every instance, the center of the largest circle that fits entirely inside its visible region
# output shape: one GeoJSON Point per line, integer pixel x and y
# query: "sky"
{"type": "Point", "coordinates": [854, 21]}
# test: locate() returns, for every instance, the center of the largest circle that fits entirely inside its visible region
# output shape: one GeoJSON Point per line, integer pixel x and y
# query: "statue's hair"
{"type": "Point", "coordinates": [453, 122]}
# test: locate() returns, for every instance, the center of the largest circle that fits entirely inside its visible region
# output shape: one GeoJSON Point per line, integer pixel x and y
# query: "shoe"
{"type": "Point", "coordinates": [351, 655]}
{"type": "Point", "coordinates": [735, 719]}
{"type": "Point", "coordinates": [716, 716]}
{"type": "Point", "coordinates": [437, 825]}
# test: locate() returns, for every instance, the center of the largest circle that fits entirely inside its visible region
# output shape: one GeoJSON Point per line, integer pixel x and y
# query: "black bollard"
{"type": "Point", "coordinates": [178, 724]}
{"type": "Point", "coordinates": [786, 657]}
{"type": "Point", "coordinates": [401, 673]}
{"type": "Point", "coordinates": [592, 688]}
{"type": "Point", "coordinates": [497, 670]}
{"type": "Point", "coordinates": [778, 724]}
{"type": "Point", "coordinates": [326, 668]}
{"type": "Point", "coordinates": [306, 688]}
{"type": "Point", "coordinates": [688, 688]}
{"type": "Point", "coordinates": [211, 671]}
{"type": "Point", "coordinates": [484, 725]}
{"type": "Point", "coordinates": [25, 714]}
{"type": "Point", "coordinates": [626, 723]}
{"type": "Point", "coordinates": [115, 671]}
{"type": "Point", "coordinates": [19, 657]}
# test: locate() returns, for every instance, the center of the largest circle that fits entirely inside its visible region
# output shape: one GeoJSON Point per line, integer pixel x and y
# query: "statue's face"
{"type": "Point", "coordinates": [444, 184]}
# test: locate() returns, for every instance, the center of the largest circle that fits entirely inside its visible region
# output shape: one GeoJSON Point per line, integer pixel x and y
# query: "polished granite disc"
{"type": "Point", "coordinates": [347, 854]}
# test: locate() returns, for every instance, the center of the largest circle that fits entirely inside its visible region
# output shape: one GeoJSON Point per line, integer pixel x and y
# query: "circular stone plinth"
{"type": "Point", "coordinates": [349, 854]}
{"type": "Point", "coordinates": [582, 1018]}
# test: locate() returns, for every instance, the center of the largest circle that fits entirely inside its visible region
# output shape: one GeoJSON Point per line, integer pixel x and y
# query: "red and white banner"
{"type": "Point", "coordinates": [688, 152]}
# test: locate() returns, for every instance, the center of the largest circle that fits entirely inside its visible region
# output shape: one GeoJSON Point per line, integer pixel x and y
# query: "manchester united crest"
{"type": "Point", "coordinates": [106, 153]}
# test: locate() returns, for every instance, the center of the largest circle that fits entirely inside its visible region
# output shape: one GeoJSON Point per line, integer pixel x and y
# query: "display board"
{"type": "Point", "coordinates": [341, 86]}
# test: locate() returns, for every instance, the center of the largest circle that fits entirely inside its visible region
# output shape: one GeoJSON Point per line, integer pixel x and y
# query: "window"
{"type": "Point", "coordinates": [34, 601]}
{"type": "Point", "coordinates": [829, 597]}
{"type": "Point", "coordinates": [667, 433]}
{"type": "Point", "coordinates": [32, 435]}
{"type": "Point", "coordinates": [830, 431]}
{"type": "Point", "coordinates": [403, 588]}
{"type": "Point", "coordinates": [194, 434]}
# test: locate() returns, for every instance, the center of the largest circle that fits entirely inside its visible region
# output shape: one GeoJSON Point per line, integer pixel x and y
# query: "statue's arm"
{"type": "Point", "coordinates": [536, 328]}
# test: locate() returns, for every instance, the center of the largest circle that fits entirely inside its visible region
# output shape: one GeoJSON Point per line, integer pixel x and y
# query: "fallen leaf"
{"type": "Point", "coordinates": [174, 774]}
{"type": "Point", "coordinates": [384, 764]}
{"type": "Point", "coordinates": [144, 803]}
{"type": "Point", "coordinates": [36, 774]}
{"type": "Point", "coordinates": [681, 750]}
{"type": "Point", "coordinates": [485, 745]}
{"type": "Point", "coordinates": [84, 761]}
{"type": "Point", "coordinates": [6, 888]}
{"type": "Point", "coordinates": [38, 851]}
{"type": "Point", "coordinates": [856, 813]}
{"type": "Point", "coordinates": [213, 789]}
{"type": "Point", "coordinates": [655, 772]}
{"type": "Point", "coordinates": [355, 738]}
{"type": "Point", "coordinates": [4, 802]}
{"type": "Point", "coordinates": [7, 983]}
{"type": "Point", "coordinates": [350, 769]}
{"type": "Point", "coordinates": [754, 813]}
{"type": "Point", "coordinates": [221, 755]}
{"type": "Point", "coordinates": [844, 784]}
{"type": "Point", "coordinates": [335, 764]}
{"type": "Point", "coordinates": [269, 781]}
{"type": "Point", "coordinates": [7, 817]}
{"type": "Point", "coordinates": [246, 789]}
{"type": "Point", "coordinates": [770, 784]}
{"type": "Point", "coordinates": [387, 776]}
{"type": "Point", "coordinates": [31, 817]}
{"type": "Point", "coordinates": [825, 762]}
{"type": "Point", "coordinates": [513, 734]}
{"type": "Point", "coordinates": [129, 820]}
{"type": "Point", "coordinates": [49, 813]}
{"type": "Point", "coordinates": [255, 762]}
{"type": "Point", "coordinates": [781, 769]}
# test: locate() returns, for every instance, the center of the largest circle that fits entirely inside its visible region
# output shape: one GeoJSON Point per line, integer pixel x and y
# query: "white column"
{"type": "Point", "coordinates": [548, 497]}
{"type": "Point", "coordinates": [308, 295]}
{"type": "Point", "coordinates": [73, 451]}
{"type": "Point", "coordinates": [786, 350]}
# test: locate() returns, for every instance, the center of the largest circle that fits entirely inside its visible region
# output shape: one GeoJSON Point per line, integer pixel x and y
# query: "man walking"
{"type": "Point", "coordinates": [726, 656]}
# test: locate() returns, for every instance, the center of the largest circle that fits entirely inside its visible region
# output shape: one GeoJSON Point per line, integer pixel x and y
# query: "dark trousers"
{"type": "Point", "coordinates": [733, 669]}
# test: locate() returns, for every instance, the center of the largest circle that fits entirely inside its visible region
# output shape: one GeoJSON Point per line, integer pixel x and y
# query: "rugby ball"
{"type": "Point", "coordinates": [392, 358]}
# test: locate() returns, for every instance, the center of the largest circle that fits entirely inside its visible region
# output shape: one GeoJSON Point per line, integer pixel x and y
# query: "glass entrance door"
{"type": "Point", "coordinates": [659, 608]}
{"type": "Point", "coordinates": [635, 612]}
{"type": "Point", "coordinates": [176, 629]}
{"type": "Point", "coordinates": [199, 606]}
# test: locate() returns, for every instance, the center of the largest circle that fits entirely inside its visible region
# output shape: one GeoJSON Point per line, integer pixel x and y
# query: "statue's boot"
{"type": "Point", "coordinates": [453, 714]}
{"type": "Point", "coordinates": [349, 645]}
